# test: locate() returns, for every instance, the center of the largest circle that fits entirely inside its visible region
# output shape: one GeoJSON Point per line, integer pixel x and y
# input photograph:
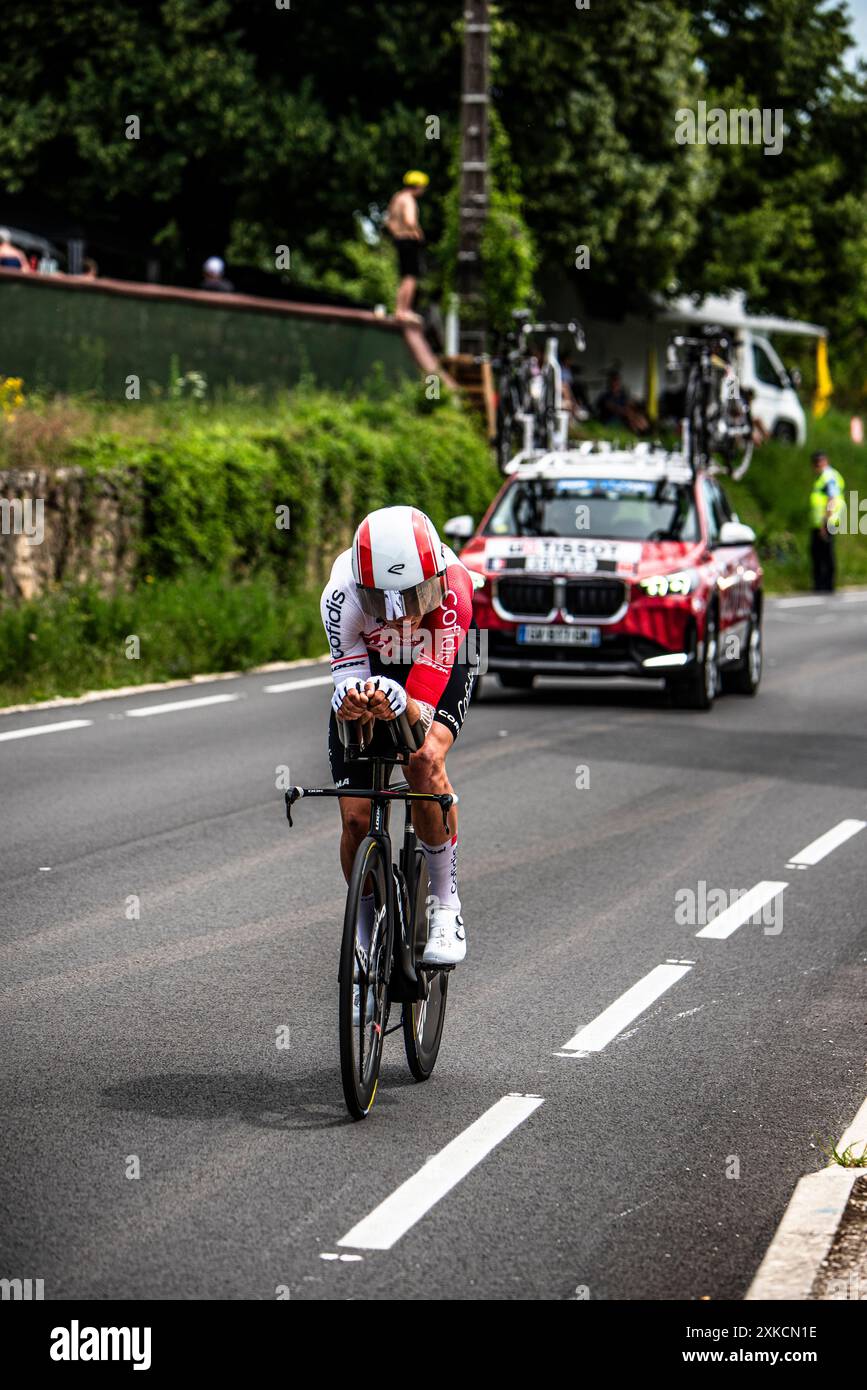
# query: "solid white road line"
{"type": "Point", "coordinates": [598, 1034]}
{"type": "Point", "coordinates": [144, 710]}
{"type": "Point", "coordinates": [817, 849]}
{"type": "Point", "coordinates": [413, 1199]}
{"type": "Point", "coordinates": [297, 685]}
{"type": "Point", "coordinates": [35, 729]}
{"type": "Point", "coordinates": [741, 911]}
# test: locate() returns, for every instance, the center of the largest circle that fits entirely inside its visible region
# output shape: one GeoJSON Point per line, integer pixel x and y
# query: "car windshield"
{"type": "Point", "coordinates": [615, 508]}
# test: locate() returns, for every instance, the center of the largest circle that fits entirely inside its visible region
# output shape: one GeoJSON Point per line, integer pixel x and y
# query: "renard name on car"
{"type": "Point", "coordinates": [600, 561]}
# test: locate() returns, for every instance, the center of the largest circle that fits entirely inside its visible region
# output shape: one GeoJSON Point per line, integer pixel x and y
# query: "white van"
{"type": "Point", "coordinates": [774, 401]}
{"type": "Point", "coordinates": [633, 342]}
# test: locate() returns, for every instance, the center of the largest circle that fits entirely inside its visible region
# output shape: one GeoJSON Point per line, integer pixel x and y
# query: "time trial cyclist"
{"type": "Point", "coordinates": [396, 610]}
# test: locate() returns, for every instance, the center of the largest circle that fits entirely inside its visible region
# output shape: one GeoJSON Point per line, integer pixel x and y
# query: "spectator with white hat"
{"type": "Point", "coordinates": [214, 276]}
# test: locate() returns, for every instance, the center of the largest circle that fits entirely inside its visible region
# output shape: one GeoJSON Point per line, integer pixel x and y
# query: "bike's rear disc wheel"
{"type": "Point", "coordinates": [423, 1019]}
{"type": "Point", "coordinates": [365, 958]}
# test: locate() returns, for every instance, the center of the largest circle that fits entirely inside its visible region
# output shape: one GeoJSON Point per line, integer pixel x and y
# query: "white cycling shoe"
{"type": "Point", "coordinates": [447, 938]}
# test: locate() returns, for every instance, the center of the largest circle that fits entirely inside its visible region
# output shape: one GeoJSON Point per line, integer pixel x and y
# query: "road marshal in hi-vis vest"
{"type": "Point", "coordinates": [827, 487]}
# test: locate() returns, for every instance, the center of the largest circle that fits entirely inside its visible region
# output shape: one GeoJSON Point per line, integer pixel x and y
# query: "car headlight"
{"type": "Point", "coordinates": [679, 583]}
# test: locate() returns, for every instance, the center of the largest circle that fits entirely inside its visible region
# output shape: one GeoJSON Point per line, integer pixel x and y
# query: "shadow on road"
{"type": "Point", "coordinates": [310, 1102]}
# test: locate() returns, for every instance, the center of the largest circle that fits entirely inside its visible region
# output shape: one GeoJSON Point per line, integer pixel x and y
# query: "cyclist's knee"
{"type": "Point", "coordinates": [356, 818]}
{"type": "Point", "coordinates": [427, 766]}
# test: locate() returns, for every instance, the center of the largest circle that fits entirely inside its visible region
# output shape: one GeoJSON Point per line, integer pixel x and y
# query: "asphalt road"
{"type": "Point", "coordinates": [148, 1045]}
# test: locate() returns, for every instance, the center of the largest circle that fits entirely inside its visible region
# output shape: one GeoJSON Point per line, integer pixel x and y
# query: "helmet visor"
{"type": "Point", "coordinates": [389, 605]}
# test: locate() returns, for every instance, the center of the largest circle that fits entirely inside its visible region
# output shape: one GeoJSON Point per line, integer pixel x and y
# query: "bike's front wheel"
{"type": "Point", "coordinates": [423, 1019]}
{"type": "Point", "coordinates": [365, 962]}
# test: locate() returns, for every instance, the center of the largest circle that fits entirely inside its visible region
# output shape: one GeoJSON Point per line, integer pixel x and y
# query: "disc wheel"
{"type": "Point", "coordinates": [423, 1019]}
{"type": "Point", "coordinates": [365, 959]}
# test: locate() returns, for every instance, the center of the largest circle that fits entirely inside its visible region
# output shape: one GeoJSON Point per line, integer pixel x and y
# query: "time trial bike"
{"type": "Point", "coordinates": [384, 937]}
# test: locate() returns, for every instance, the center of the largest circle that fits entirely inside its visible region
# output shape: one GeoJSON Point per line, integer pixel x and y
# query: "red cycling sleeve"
{"type": "Point", "coordinates": [444, 631]}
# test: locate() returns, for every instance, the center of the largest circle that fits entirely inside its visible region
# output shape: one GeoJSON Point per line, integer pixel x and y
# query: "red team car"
{"type": "Point", "coordinates": [599, 561]}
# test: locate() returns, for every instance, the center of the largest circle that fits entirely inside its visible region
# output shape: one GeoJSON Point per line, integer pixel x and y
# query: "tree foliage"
{"type": "Point", "coordinates": [263, 127]}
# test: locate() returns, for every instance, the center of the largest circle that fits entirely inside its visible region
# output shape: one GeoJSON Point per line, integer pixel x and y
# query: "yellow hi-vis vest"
{"type": "Point", "coordinates": [819, 498]}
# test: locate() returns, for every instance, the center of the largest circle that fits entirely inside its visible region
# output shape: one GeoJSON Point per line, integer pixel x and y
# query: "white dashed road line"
{"type": "Point", "coordinates": [598, 1034]}
{"type": "Point", "coordinates": [741, 911]}
{"type": "Point", "coordinates": [35, 729]}
{"type": "Point", "coordinates": [413, 1199]}
{"type": "Point", "coordinates": [297, 685]}
{"type": "Point", "coordinates": [818, 849]}
{"type": "Point", "coordinates": [144, 710]}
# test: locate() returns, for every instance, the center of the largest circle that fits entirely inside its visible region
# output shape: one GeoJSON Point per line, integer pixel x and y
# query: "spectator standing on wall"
{"type": "Point", "coordinates": [402, 222]}
{"type": "Point", "coordinates": [214, 276]}
{"type": "Point", "coordinates": [10, 257]}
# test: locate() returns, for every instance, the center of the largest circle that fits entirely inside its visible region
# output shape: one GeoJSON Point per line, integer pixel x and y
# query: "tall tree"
{"type": "Point", "coordinates": [790, 228]}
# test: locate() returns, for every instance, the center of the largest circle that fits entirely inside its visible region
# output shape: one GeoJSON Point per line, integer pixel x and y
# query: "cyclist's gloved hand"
{"type": "Point", "coordinates": [394, 693]}
{"type": "Point", "coordinates": [342, 690]}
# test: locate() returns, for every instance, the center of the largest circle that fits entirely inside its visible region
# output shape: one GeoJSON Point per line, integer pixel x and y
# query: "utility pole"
{"type": "Point", "coordinates": [475, 85]}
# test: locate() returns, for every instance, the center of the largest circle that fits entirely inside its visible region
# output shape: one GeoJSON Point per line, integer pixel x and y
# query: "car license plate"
{"type": "Point", "coordinates": [559, 635]}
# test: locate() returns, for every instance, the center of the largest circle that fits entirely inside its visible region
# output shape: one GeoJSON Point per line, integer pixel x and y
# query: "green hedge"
{"type": "Point", "coordinates": [217, 585]}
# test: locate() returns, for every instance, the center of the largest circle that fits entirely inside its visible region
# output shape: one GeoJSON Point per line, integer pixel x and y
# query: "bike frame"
{"type": "Point", "coordinates": [408, 986]}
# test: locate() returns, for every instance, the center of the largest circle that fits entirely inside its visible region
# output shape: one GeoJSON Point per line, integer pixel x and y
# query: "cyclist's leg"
{"type": "Point", "coordinates": [427, 772]}
{"type": "Point", "coordinates": [354, 825]}
{"type": "Point", "coordinates": [354, 811]}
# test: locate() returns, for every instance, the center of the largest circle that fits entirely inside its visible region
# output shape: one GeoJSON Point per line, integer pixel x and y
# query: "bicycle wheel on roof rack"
{"type": "Point", "coordinates": [546, 410]}
{"type": "Point", "coordinates": [694, 429]}
{"type": "Point", "coordinates": [737, 432]}
{"type": "Point", "coordinates": [510, 431]}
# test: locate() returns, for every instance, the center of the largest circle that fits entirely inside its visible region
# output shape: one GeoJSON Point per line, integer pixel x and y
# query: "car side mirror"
{"type": "Point", "coordinates": [736, 533]}
{"type": "Point", "coordinates": [459, 528]}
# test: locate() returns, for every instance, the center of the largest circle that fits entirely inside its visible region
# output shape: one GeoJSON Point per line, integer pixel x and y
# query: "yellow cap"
{"type": "Point", "coordinates": [414, 178]}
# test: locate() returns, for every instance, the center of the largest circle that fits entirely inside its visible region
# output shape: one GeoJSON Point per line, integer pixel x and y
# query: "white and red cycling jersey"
{"type": "Point", "coordinates": [430, 651]}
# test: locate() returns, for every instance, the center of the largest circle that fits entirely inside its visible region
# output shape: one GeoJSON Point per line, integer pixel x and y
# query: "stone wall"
{"type": "Point", "coordinates": [65, 525]}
